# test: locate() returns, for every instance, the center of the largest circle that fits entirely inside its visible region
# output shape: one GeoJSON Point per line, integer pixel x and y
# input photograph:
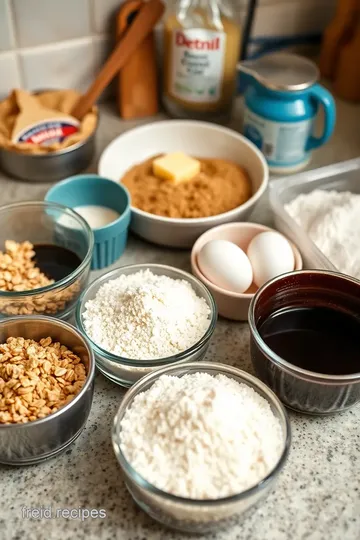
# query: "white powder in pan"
{"type": "Point", "coordinates": [146, 316]}
{"type": "Point", "coordinates": [200, 436]}
{"type": "Point", "coordinates": [332, 221]}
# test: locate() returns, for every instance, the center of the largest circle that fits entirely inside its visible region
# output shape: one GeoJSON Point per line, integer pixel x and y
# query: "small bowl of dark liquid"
{"type": "Point", "coordinates": [305, 340]}
{"type": "Point", "coordinates": [62, 243]}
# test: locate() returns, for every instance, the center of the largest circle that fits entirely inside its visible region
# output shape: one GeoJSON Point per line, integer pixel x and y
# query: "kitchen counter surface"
{"type": "Point", "coordinates": [317, 496]}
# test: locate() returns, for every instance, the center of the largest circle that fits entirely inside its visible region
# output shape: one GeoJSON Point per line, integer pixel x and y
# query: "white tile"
{"type": "Point", "coordinates": [292, 18]}
{"type": "Point", "coordinates": [6, 29]}
{"type": "Point", "coordinates": [103, 45]}
{"type": "Point", "coordinates": [104, 13]}
{"type": "Point", "coordinates": [46, 21]}
{"type": "Point", "coordinates": [10, 77]}
{"type": "Point", "coordinates": [64, 65]}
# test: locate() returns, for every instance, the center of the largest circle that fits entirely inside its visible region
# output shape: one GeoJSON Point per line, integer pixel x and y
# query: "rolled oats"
{"type": "Point", "coordinates": [37, 378]}
{"type": "Point", "coordinates": [19, 273]}
{"type": "Point", "coordinates": [17, 268]}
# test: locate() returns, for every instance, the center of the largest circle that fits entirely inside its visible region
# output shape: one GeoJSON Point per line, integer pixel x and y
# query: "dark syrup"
{"type": "Point", "coordinates": [319, 339]}
{"type": "Point", "coordinates": [55, 262]}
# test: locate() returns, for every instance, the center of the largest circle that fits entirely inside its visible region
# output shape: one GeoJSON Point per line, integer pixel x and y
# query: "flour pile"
{"type": "Point", "coordinates": [145, 316]}
{"type": "Point", "coordinates": [332, 221]}
{"type": "Point", "coordinates": [200, 436]}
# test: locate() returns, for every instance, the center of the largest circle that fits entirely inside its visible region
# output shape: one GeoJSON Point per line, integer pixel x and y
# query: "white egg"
{"type": "Point", "coordinates": [270, 255]}
{"type": "Point", "coordinates": [225, 265]}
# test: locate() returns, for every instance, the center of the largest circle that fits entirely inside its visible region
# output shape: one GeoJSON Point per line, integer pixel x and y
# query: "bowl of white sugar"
{"type": "Point", "coordinates": [105, 206]}
{"type": "Point", "coordinates": [200, 444]}
{"type": "Point", "coordinates": [143, 317]}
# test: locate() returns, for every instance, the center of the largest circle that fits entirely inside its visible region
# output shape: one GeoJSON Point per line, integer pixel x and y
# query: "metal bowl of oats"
{"type": "Point", "coordinates": [45, 258]}
{"type": "Point", "coordinates": [46, 388]}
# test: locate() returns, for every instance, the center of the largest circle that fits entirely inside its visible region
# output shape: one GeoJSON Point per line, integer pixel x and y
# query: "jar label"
{"type": "Point", "coordinates": [197, 64]}
{"type": "Point", "coordinates": [282, 143]}
{"type": "Point", "coordinates": [47, 132]}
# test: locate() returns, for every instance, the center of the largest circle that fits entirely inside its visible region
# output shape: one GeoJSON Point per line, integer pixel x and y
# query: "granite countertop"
{"type": "Point", "coordinates": [317, 496]}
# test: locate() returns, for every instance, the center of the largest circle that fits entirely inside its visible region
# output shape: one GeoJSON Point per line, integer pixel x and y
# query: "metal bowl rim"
{"type": "Point", "coordinates": [89, 378]}
{"type": "Point", "coordinates": [61, 152]}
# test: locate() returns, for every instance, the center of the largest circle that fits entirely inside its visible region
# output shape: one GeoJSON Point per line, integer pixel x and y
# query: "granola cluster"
{"type": "Point", "coordinates": [37, 378]}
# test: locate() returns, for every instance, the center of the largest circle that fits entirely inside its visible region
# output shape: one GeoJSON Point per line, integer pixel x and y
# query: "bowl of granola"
{"type": "Point", "coordinates": [45, 258]}
{"type": "Point", "coordinates": [46, 388]}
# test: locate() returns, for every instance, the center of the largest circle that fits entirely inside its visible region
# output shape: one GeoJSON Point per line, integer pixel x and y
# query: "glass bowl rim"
{"type": "Point", "coordinates": [90, 376]}
{"type": "Point", "coordinates": [182, 274]}
{"type": "Point", "coordinates": [222, 369]}
{"type": "Point", "coordinates": [73, 275]}
{"type": "Point", "coordinates": [313, 376]}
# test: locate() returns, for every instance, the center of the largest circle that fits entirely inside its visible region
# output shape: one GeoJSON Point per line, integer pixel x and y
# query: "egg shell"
{"type": "Point", "coordinates": [225, 265]}
{"type": "Point", "coordinates": [270, 255]}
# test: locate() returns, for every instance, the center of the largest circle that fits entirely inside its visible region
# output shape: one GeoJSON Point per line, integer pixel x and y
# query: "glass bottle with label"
{"type": "Point", "coordinates": [201, 51]}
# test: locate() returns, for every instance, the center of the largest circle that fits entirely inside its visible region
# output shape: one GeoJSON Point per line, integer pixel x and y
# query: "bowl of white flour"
{"type": "Point", "coordinates": [200, 444]}
{"type": "Point", "coordinates": [318, 210]}
{"type": "Point", "coordinates": [143, 317]}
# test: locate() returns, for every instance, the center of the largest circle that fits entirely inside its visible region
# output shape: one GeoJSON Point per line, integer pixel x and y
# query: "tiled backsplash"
{"type": "Point", "coordinates": [62, 43]}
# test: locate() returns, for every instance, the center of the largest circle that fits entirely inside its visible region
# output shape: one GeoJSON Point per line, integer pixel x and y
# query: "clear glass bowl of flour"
{"type": "Point", "coordinates": [126, 371]}
{"type": "Point", "coordinates": [194, 515]}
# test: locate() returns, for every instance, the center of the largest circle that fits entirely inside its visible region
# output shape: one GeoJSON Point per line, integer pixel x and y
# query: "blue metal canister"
{"type": "Point", "coordinates": [282, 99]}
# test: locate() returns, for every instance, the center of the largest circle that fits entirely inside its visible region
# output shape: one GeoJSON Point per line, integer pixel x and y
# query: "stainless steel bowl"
{"type": "Point", "coordinates": [49, 167]}
{"type": "Point", "coordinates": [27, 444]}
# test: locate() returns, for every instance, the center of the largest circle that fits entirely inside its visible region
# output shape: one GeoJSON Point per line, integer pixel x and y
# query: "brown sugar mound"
{"type": "Point", "coordinates": [220, 186]}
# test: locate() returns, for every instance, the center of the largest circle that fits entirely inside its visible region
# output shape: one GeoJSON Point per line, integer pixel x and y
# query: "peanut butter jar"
{"type": "Point", "coordinates": [202, 46]}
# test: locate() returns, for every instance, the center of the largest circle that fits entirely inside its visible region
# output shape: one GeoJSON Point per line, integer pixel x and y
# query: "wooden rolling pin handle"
{"type": "Point", "coordinates": [142, 25]}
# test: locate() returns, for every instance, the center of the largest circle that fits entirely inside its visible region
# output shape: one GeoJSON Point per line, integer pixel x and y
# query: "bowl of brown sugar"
{"type": "Point", "coordinates": [185, 177]}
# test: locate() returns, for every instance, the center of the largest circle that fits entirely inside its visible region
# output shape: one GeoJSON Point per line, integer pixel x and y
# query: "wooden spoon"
{"type": "Point", "coordinates": [140, 28]}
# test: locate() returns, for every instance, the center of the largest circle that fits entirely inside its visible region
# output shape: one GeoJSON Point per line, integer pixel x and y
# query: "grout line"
{"type": "Point", "coordinates": [92, 38]}
{"type": "Point", "coordinates": [16, 41]}
{"type": "Point", "coordinates": [76, 41]}
{"type": "Point", "coordinates": [91, 7]}
{"type": "Point", "coordinates": [14, 28]}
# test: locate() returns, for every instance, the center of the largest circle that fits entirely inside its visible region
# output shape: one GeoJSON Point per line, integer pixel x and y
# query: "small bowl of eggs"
{"type": "Point", "coordinates": [235, 259]}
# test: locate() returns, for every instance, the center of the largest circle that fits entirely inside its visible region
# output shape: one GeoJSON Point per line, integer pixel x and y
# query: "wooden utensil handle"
{"type": "Point", "coordinates": [137, 90]}
{"type": "Point", "coordinates": [142, 25]}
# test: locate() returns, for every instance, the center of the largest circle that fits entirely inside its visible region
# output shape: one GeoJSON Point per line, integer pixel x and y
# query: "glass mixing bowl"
{"type": "Point", "coordinates": [300, 389]}
{"type": "Point", "coordinates": [126, 371]}
{"type": "Point", "coordinates": [192, 515]}
{"type": "Point", "coordinates": [47, 223]}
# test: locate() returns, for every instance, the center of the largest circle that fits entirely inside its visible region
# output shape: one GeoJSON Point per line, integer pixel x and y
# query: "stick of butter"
{"type": "Point", "coordinates": [176, 167]}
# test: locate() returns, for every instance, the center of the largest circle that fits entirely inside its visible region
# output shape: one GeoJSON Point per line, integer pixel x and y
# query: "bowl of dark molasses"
{"type": "Point", "coordinates": [305, 340]}
{"type": "Point", "coordinates": [45, 258]}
